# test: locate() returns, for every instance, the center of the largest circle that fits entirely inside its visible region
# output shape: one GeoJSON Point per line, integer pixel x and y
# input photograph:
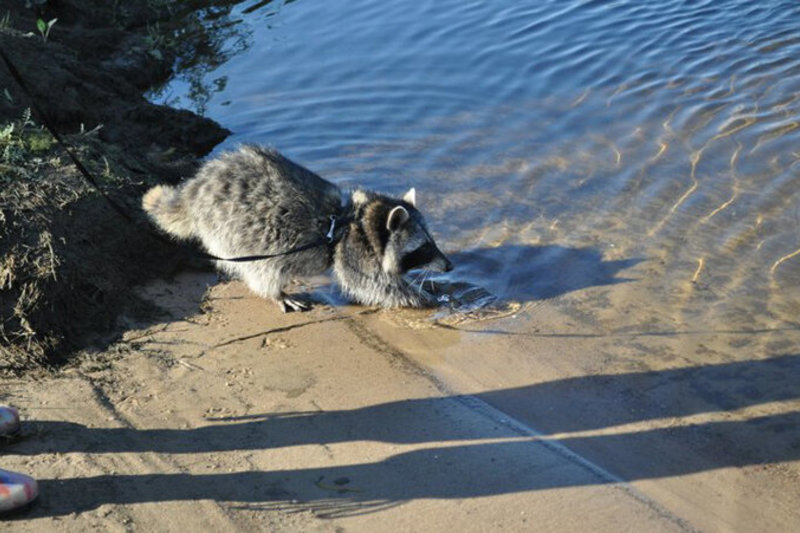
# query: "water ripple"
{"type": "Point", "coordinates": [666, 130]}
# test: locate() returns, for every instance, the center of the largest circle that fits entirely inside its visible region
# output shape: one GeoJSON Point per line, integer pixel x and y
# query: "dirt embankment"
{"type": "Point", "coordinates": [67, 259]}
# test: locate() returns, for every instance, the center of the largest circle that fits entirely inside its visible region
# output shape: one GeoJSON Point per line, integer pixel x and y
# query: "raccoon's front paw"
{"type": "Point", "coordinates": [420, 299]}
{"type": "Point", "coordinates": [289, 304]}
{"type": "Point", "coordinates": [429, 300]}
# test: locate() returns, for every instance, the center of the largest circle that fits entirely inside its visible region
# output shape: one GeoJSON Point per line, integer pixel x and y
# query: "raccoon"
{"type": "Point", "coordinates": [256, 201]}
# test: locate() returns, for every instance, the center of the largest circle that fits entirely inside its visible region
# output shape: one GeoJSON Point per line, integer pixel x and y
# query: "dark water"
{"type": "Point", "coordinates": [555, 145]}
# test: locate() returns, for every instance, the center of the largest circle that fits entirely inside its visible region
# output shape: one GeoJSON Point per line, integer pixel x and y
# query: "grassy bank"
{"type": "Point", "coordinates": [68, 261]}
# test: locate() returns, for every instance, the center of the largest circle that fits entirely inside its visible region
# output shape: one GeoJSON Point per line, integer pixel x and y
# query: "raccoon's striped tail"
{"type": "Point", "coordinates": [165, 206]}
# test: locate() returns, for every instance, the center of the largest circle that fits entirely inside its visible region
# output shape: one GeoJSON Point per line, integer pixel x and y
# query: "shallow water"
{"type": "Point", "coordinates": [555, 146]}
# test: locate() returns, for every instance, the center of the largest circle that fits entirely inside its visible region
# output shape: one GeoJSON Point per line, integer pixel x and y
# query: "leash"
{"type": "Point", "coordinates": [331, 238]}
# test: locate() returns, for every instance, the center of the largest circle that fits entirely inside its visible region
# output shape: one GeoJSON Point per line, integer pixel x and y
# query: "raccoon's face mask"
{"type": "Point", "coordinates": [410, 244]}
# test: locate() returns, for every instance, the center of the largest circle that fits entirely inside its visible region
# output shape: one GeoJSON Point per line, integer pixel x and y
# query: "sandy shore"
{"type": "Point", "coordinates": [225, 414]}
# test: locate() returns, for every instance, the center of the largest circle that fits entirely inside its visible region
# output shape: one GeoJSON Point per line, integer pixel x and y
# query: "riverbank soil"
{"type": "Point", "coordinates": [67, 258]}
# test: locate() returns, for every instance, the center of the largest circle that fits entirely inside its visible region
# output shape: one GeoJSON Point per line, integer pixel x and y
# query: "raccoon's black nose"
{"type": "Point", "coordinates": [448, 265]}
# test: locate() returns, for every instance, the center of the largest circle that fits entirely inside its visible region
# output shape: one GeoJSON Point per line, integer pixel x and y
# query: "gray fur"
{"type": "Point", "coordinates": [254, 201]}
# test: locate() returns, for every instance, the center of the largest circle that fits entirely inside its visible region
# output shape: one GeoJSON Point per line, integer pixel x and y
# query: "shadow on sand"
{"type": "Point", "coordinates": [497, 460]}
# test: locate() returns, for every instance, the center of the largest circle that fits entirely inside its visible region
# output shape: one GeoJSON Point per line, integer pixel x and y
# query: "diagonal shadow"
{"type": "Point", "coordinates": [461, 471]}
{"type": "Point", "coordinates": [560, 406]}
{"type": "Point", "coordinates": [500, 462]}
{"type": "Point", "coordinates": [607, 400]}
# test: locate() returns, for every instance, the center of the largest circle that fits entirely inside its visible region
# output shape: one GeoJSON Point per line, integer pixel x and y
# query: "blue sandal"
{"type": "Point", "coordinates": [16, 490]}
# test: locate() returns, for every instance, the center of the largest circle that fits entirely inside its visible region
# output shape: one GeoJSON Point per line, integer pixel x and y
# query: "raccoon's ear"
{"type": "Point", "coordinates": [411, 196]}
{"type": "Point", "coordinates": [397, 217]}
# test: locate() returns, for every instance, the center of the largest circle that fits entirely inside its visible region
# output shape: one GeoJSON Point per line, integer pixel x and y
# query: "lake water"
{"type": "Point", "coordinates": [554, 145]}
{"type": "Point", "coordinates": [628, 172]}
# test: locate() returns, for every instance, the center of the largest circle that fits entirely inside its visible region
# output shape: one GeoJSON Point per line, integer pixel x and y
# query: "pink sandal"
{"type": "Point", "coordinates": [16, 490]}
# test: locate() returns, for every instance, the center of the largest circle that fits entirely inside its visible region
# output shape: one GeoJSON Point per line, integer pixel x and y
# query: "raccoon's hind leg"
{"type": "Point", "coordinates": [268, 283]}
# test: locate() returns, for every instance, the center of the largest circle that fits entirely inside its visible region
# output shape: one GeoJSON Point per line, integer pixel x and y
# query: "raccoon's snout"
{"type": "Point", "coordinates": [441, 263]}
{"type": "Point", "coordinates": [449, 266]}
{"type": "Point", "coordinates": [426, 256]}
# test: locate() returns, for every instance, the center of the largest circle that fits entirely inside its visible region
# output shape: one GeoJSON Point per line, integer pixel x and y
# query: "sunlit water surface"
{"type": "Point", "coordinates": [556, 146]}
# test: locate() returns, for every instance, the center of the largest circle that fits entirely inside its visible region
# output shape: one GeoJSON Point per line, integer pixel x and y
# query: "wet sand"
{"type": "Point", "coordinates": [225, 414]}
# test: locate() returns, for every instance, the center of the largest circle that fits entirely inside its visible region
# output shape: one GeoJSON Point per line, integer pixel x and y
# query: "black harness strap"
{"type": "Point", "coordinates": [335, 233]}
